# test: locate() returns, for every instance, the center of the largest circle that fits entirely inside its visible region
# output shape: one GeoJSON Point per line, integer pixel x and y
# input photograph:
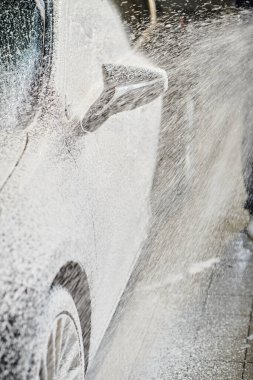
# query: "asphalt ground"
{"type": "Point", "coordinates": [201, 329]}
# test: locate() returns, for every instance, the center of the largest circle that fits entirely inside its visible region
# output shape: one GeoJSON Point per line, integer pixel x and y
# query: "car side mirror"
{"type": "Point", "coordinates": [125, 88]}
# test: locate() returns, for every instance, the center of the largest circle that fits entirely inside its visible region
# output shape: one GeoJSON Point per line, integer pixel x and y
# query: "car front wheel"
{"type": "Point", "coordinates": [62, 354]}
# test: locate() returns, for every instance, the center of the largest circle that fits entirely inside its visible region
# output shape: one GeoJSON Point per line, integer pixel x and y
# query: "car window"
{"type": "Point", "coordinates": [21, 54]}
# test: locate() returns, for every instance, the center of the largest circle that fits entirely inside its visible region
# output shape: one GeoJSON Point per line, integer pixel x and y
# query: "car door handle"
{"type": "Point", "coordinates": [125, 88]}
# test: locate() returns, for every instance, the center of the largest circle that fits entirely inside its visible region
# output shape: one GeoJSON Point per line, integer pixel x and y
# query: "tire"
{"type": "Point", "coordinates": [61, 342]}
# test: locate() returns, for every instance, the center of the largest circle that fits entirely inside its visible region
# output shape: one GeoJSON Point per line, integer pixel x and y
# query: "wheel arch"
{"type": "Point", "coordinates": [73, 278]}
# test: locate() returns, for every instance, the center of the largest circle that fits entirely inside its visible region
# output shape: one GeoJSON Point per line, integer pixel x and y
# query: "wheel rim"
{"type": "Point", "coordinates": [63, 359]}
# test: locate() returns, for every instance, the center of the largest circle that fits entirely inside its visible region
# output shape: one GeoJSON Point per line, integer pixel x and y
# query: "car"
{"type": "Point", "coordinates": [79, 124]}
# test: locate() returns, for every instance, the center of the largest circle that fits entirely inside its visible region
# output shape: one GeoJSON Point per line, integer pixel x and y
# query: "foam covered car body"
{"type": "Point", "coordinates": [80, 115]}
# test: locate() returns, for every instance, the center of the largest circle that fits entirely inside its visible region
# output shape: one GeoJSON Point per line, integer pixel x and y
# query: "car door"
{"type": "Point", "coordinates": [117, 155]}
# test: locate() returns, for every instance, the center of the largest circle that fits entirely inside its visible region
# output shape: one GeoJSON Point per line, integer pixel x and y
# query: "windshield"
{"type": "Point", "coordinates": [21, 52]}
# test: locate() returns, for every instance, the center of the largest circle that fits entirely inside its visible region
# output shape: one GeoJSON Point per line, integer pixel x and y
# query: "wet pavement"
{"type": "Point", "coordinates": [197, 328]}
